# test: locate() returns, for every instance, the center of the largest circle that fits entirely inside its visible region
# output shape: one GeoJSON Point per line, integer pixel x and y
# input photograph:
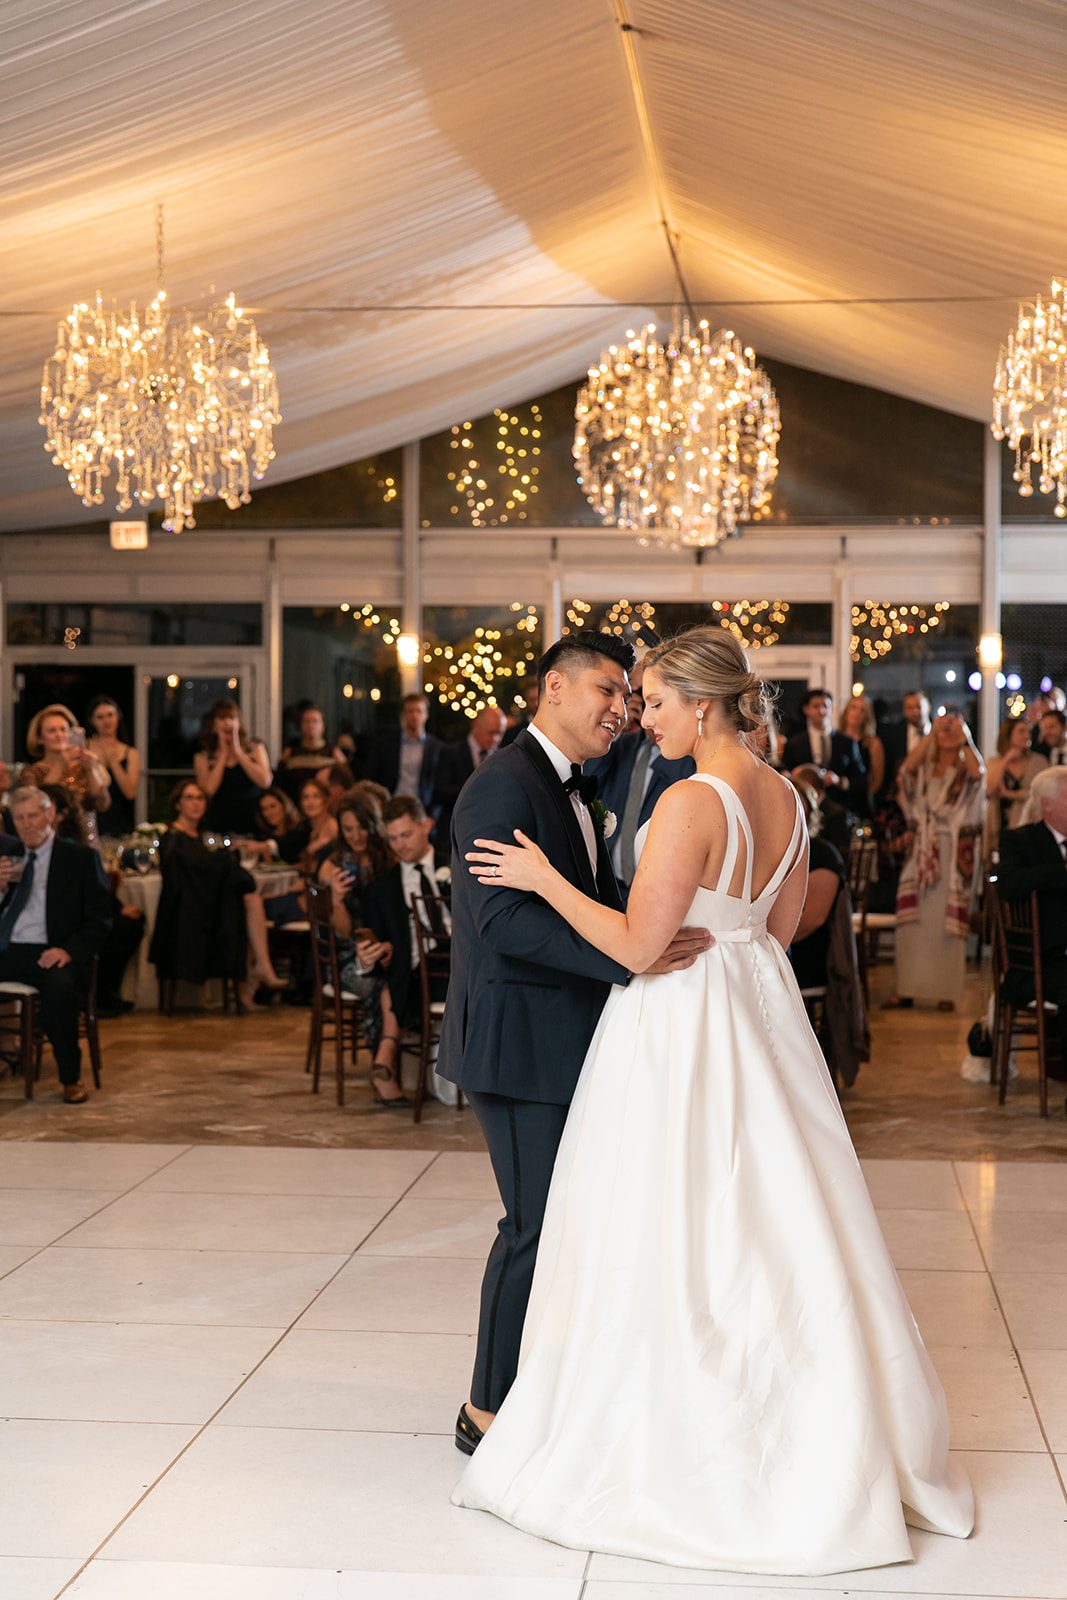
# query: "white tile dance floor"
{"type": "Point", "coordinates": [232, 1374]}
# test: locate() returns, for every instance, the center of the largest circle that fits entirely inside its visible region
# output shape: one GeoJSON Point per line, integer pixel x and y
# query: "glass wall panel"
{"type": "Point", "coordinates": [169, 623]}
{"type": "Point", "coordinates": [361, 494]}
{"type": "Point", "coordinates": [899, 647]}
{"type": "Point", "coordinates": [1035, 651]}
{"type": "Point", "coordinates": [177, 708]}
{"type": "Point", "coordinates": [475, 656]}
{"type": "Point", "coordinates": [343, 658]}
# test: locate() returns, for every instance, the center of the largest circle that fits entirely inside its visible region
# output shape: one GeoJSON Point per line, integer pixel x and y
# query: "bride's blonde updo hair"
{"type": "Point", "coordinates": [708, 663]}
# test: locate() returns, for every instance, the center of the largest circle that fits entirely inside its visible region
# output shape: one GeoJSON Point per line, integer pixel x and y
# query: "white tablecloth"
{"type": "Point", "coordinates": [143, 890]}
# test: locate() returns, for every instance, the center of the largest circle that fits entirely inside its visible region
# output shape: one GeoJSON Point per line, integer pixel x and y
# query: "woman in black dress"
{"type": "Point", "coordinates": [110, 744]}
{"type": "Point", "coordinates": [232, 769]}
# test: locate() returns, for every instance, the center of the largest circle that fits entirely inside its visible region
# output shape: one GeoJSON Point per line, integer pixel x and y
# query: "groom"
{"type": "Point", "coordinates": [526, 991]}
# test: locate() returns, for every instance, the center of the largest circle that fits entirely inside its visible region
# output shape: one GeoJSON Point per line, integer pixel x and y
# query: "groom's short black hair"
{"type": "Point", "coordinates": [583, 649]}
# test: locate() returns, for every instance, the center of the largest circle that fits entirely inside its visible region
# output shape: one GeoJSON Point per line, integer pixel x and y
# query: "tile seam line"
{"type": "Point", "coordinates": [122, 1194]}
{"type": "Point", "coordinates": [1015, 1348]}
{"type": "Point", "coordinates": [202, 1429]}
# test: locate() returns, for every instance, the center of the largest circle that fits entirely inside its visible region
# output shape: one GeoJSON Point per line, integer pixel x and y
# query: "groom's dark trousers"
{"type": "Point", "coordinates": [524, 1000]}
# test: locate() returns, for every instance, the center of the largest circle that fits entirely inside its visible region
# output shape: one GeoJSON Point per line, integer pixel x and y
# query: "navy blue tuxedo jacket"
{"type": "Point", "coordinates": [526, 992]}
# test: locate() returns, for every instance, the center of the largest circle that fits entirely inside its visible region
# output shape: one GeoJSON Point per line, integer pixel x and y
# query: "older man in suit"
{"type": "Point", "coordinates": [405, 760]}
{"type": "Point", "coordinates": [458, 761]}
{"type": "Point", "coordinates": [1035, 858]}
{"type": "Point", "coordinates": [54, 918]}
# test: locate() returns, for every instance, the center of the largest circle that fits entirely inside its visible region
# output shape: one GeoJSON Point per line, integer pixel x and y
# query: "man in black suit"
{"type": "Point", "coordinates": [388, 913]}
{"type": "Point", "coordinates": [836, 755]}
{"type": "Point", "coordinates": [459, 760]}
{"type": "Point", "coordinates": [900, 738]}
{"type": "Point", "coordinates": [526, 992]}
{"type": "Point", "coordinates": [1035, 858]}
{"type": "Point", "coordinates": [1052, 737]}
{"type": "Point", "coordinates": [53, 921]}
{"type": "Point", "coordinates": [405, 760]}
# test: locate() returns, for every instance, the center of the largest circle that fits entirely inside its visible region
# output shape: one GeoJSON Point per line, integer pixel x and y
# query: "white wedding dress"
{"type": "Point", "coordinates": [719, 1368]}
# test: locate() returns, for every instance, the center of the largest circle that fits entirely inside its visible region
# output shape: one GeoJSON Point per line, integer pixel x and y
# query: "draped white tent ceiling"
{"type": "Point", "coordinates": [431, 153]}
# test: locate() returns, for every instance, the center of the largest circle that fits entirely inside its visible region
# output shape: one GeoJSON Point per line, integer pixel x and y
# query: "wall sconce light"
{"type": "Point", "coordinates": [991, 652]}
{"type": "Point", "coordinates": [407, 649]}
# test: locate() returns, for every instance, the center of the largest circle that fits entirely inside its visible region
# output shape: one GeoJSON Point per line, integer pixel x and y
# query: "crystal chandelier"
{"type": "Point", "coordinates": [1030, 396]}
{"type": "Point", "coordinates": [175, 406]}
{"type": "Point", "coordinates": [678, 440]}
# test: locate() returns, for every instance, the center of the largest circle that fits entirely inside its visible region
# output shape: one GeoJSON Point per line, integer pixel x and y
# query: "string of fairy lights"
{"type": "Point", "coordinates": [755, 623]}
{"type": "Point", "coordinates": [878, 626]}
{"type": "Point", "coordinates": [495, 485]}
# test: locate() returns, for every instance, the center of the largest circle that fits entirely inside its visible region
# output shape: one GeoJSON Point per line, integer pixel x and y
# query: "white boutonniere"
{"type": "Point", "coordinates": [443, 876]}
{"type": "Point", "coordinates": [605, 820]}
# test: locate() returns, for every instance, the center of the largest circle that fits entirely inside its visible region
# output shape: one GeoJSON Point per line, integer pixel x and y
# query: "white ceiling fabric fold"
{"type": "Point", "coordinates": [388, 152]}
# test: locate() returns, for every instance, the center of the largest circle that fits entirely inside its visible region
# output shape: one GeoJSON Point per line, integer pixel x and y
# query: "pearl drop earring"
{"type": "Point", "coordinates": [700, 722]}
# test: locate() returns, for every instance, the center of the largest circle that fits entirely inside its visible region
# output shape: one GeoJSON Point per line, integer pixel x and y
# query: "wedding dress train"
{"type": "Point", "coordinates": [719, 1368]}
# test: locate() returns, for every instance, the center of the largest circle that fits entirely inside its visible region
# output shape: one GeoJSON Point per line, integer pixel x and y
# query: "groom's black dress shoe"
{"type": "Point", "coordinates": [468, 1434]}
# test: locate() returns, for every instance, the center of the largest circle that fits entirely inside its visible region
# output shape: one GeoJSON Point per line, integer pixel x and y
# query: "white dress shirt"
{"type": "Point", "coordinates": [562, 765]}
{"type": "Point", "coordinates": [411, 886]}
{"type": "Point", "coordinates": [409, 769]}
{"type": "Point", "coordinates": [30, 925]}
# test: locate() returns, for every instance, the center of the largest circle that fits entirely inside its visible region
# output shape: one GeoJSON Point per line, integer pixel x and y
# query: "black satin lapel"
{"type": "Point", "coordinates": [562, 802]}
{"type": "Point", "coordinates": [607, 883]}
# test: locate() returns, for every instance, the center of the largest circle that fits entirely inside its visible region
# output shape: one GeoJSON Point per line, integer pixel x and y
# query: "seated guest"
{"type": "Point", "coordinates": [857, 722]}
{"type": "Point", "coordinates": [127, 922]}
{"type": "Point", "coordinates": [530, 692]}
{"type": "Point", "coordinates": [1052, 743]}
{"type": "Point", "coordinates": [209, 911]}
{"type": "Point", "coordinates": [630, 779]}
{"type": "Point", "coordinates": [54, 918]}
{"type": "Point", "coordinates": [338, 781]}
{"type": "Point", "coordinates": [900, 738]}
{"type": "Point", "coordinates": [388, 914]}
{"type": "Point", "coordinates": [308, 755]}
{"type": "Point", "coordinates": [404, 760]}
{"type": "Point", "coordinates": [110, 744]}
{"type": "Point", "coordinates": [318, 831]}
{"type": "Point", "coordinates": [360, 856]}
{"type": "Point", "coordinates": [276, 816]}
{"type": "Point", "coordinates": [232, 769]}
{"type": "Point", "coordinates": [1008, 779]}
{"type": "Point", "coordinates": [835, 754]}
{"type": "Point", "coordinates": [58, 745]}
{"type": "Point", "coordinates": [1034, 858]}
{"type": "Point", "coordinates": [372, 794]}
{"type": "Point", "coordinates": [458, 761]}
{"type": "Point", "coordinates": [823, 953]}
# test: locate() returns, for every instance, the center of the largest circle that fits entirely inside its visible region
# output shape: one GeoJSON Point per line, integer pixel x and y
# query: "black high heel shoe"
{"type": "Point", "coordinates": [468, 1434]}
{"type": "Point", "coordinates": [380, 1074]}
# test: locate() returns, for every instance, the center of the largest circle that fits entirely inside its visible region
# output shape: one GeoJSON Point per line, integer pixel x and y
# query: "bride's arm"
{"type": "Point", "coordinates": [673, 862]}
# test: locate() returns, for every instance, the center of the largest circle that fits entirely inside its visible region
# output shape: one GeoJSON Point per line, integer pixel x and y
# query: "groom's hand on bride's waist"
{"type": "Point", "coordinates": [686, 947]}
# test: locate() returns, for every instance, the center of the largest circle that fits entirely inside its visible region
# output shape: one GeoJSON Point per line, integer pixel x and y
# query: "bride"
{"type": "Point", "coordinates": [719, 1368]}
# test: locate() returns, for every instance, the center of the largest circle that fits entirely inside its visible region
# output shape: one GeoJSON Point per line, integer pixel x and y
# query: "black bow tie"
{"type": "Point", "coordinates": [585, 788]}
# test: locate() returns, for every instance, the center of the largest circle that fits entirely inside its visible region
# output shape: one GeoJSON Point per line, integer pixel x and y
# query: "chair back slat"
{"type": "Point", "coordinates": [862, 862]}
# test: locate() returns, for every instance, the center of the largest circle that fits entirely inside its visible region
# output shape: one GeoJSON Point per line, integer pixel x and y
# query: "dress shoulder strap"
{"type": "Point", "coordinates": [736, 824]}
{"type": "Point", "coordinates": [792, 852]}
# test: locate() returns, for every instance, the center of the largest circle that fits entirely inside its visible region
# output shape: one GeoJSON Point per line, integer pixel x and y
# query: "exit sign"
{"type": "Point", "coordinates": [129, 536]}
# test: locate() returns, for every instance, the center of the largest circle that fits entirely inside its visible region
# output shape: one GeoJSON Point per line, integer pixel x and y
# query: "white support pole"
{"type": "Point", "coordinates": [411, 675]}
{"type": "Point", "coordinates": [273, 641]}
{"type": "Point", "coordinates": [992, 538]}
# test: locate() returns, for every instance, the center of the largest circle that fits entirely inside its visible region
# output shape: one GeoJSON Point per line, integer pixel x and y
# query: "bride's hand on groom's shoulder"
{"type": "Point", "coordinates": [686, 947]}
{"type": "Point", "coordinates": [509, 866]}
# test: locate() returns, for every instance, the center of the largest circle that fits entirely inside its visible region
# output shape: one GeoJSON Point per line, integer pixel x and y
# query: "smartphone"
{"type": "Point", "coordinates": [77, 739]}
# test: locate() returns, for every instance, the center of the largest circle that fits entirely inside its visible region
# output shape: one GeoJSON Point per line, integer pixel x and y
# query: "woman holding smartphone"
{"type": "Point", "coordinates": [360, 856]}
{"type": "Point", "coordinates": [57, 744]}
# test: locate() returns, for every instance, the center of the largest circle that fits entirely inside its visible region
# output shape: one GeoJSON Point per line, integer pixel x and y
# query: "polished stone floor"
{"type": "Point", "coordinates": [214, 1079]}
{"type": "Point", "coordinates": [232, 1373]}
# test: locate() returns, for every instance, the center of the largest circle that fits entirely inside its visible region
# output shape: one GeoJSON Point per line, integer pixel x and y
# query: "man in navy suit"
{"type": "Point", "coordinates": [837, 756]}
{"type": "Point", "coordinates": [900, 738]}
{"type": "Point", "coordinates": [53, 921]}
{"type": "Point", "coordinates": [459, 760]}
{"type": "Point", "coordinates": [405, 760]}
{"type": "Point", "coordinates": [526, 991]}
